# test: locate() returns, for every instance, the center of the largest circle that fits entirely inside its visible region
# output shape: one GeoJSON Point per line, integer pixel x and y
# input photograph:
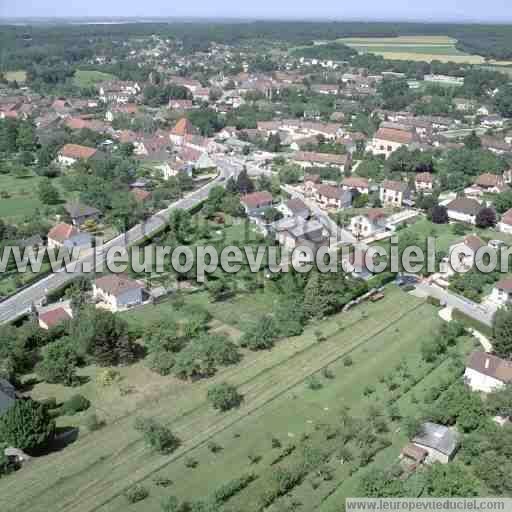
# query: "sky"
{"type": "Point", "coordinates": [417, 10]}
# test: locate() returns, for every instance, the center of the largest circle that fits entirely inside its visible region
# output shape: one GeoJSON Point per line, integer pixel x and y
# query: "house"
{"type": "Point", "coordinates": [463, 209]}
{"type": "Point", "coordinates": [490, 183]}
{"type": "Point", "coordinates": [505, 223]}
{"type": "Point", "coordinates": [497, 146]}
{"type": "Point", "coordinates": [80, 213]}
{"type": "Point", "coordinates": [310, 183]}
{"type": "Point", "coordinates": [296, 232]}
{"type": "Point", "coordinates": [502, 292]}
{"type": "Point", "coordinates": [72, 153]}
{"type": "Point", "coordinates": [332, 197]}
{"type": "Point", "coordinates": [256, 202]}
{"type": "Point", "coordinates": [368, 224]}
{"type": "Point", "coordinates": [180, 105]}
{"type": "Point", "coordinates": [388, 140]}
{"type": "Point", "coordinates": [464, 104]}
{"type": "Point", "coordinates": [295, 208]}
{"type": "Point", "coordinates": [182, 128]}
{"type": "Point", "coordinates": [394, 193]}
{"type": "Point", "coordinates": [205, 163]}
{"type": "Point", "coordinates": [354, 183]}
{"type": "Point", "coordinates": [486, 373]}
{"type": "Point", "coordinates": [54, 317]}
{"type": "Point", "coordinates": [439, 441]}
{"type": "Point", "coordinates": [7, 396]}
{"type": "Point", "coordinates": [129, 109]}
{"type": "Point", "coordinates": [311, 159]}
{"type": "Point", "coordinates": [117, 292]}
{"type": "Point", "coordinates": [492, 121]}
{"type": "Point", "coordinates": [413, 454]}
{"type": "Point", "coordinates": [65, 235]}
{"type": "Point", "coordinates": [463, 253]}
{"type": "Point", "coordinates": [424, 182]}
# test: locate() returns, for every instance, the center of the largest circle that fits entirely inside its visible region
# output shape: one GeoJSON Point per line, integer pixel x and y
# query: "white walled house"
{"type": "Point", "coordinates": [393, 193]}
{"type": "Point", "coordinates": [463, 253]}
{"type": "Point", "coordinates": [368, 224]}
{"type": "Point", "coordinates": [117, 292]}
{"type": "Point", "coordinates": [362, 185]}
{"type": "Point", "coordinates": [424, 182]}
{"type": "Point", "coordinates": [486, 373]}
{"type": "Point", "coordinates": [388, 140]}
{"type": "Point", "coordinates": [505, 223]}
{"type": "Point", "coordinates": [463, 210]}
{"type": "Point", "coordinates": [72, 153]}
{"type": "Point", "coordinates": [502, 292]}
{"type": "Point", "coordinates": [439, 441]}
{"type": "Point", "coordinates": [332, 197]}
{"type": "Point", "coordinates": [68, 236]}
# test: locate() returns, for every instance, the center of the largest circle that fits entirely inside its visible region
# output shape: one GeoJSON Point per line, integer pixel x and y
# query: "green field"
{"type": "Point", "coordinates": [419, 48]}
{"type": "Point", "coordinates": [89, 78]}
{"type": "Point", "coordinates": [93, 473]}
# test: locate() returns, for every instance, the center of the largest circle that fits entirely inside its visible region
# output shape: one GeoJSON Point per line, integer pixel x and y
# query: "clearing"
{"type": "Point", "coordinates": [18, 76]}
{"type": "Point", "coordinates": [84, 78]}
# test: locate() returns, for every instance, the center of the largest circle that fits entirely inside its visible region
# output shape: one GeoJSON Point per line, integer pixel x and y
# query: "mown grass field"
{"type": "Point", "coordinates": [84, 78]}
{"type": "Point", "coordinates": [417, 48]}
{"type": "Point", "coordinates": [93, 473]}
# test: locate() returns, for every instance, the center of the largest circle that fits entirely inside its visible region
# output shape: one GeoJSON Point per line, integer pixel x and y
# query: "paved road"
{"type": "Point", "coordinates": [21, 303]}
{"type": "Point", "coordinates": [480, 313]}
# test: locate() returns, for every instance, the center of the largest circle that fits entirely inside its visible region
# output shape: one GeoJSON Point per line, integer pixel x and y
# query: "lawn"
{"type": "Point", "coordinates": [84, 78]}
{"type": "Point", "coordinates": [18, 76]}
{"type": "Point", "coordinates": [22, 197]}
{"type": "Point", "coordinates": [93, 473]}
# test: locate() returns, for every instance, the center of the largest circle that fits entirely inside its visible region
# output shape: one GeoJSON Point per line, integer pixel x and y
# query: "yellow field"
{"type": "Point", "coordinates": [428, 57]}
{"type": "Point", "coordinates": [19, 76]}
{"type": "Point", "coordinates": [401, 40]}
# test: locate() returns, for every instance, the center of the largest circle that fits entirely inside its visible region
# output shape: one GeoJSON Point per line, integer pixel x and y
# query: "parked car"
{"type": "Point", "coordinates": [407, 280]}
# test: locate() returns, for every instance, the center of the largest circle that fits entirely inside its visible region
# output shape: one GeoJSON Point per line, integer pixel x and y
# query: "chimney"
{"type": "Point", "coordinates": [487, 363]}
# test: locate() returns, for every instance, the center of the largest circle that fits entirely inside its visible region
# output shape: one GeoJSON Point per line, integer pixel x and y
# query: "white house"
{"type": "Point", "coordinates": [463, 253]}
{"type": "Point", "coordinates": [486, 373]}
{"type": "Point", "coordinates": [332, 197]}
{"type": "Point", "coordinates": [354, 183]}
{"type": "Point", "coordinates": [463, 209]}
{"type": "Point", "coordinates": [502, 292]}
{"type": "Point", "coordinates": [424, 182]}
{"type": "Point", "coordinates": [117, 292]}
{"type": "Point", "coordinates": [66, 235]}
{"type": "Point", "coordinates": [394, 193]}
{"type": "Point", "coordinates": [505, 223]}
{"type": "Point", "coordinates": [368, 224]}
{"type": "Point", "coordinates": [439, 441]}
{"type": "Point", "coordinates": [388, 140]}
{"type": "Point", "coordinates": [72, 153]}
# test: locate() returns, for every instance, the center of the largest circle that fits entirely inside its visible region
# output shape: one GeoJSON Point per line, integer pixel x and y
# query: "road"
{"type": "Point", "coordinates": [21, 303]}
{"type": "Point", "coordinates": [479, 313]}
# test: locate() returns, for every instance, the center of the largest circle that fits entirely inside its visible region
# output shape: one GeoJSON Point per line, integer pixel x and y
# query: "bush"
{"type": "Point", "coordinates": [348, 361]}
{"type": "Point", "coordinates": [161, 362]}
{"type": "Point", "coordinates": [93, 423]}
{"type": "Point", "coordinates": [136, 493]}
{"type": "Point", "coordinates": [158, 437]}
{"type": "Point", "coordinates": [313, 383]}
{"type": "Point", "coordinates": [214, 447]}
{"type": "Point", "coordinates": [76, 404]}
{"type": "Point", "coordinates": [107, 377]}
{"type": "Point", "coordinates": [224, 396]}
{"type": "Point", "coordinates": [191, 463]}
{"type": "Point", "coordinates": [276, 443]}
{"type": "Point", "coordinates": [328, 373]}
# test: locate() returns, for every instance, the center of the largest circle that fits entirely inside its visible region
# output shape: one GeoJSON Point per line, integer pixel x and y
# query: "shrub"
{"type": "Point", "coordinates": [76, 404]}
{"type": "Point", "coordinates": [161, 362]}
{"type": "Point", "coordinates": [224, 396]}
{"type": "Point", "coordinates": [232, 488]}
{"type": "Point", "coordinates": [276, 443]}
{"type": "Point", "coordinates": [348, 361]}
{"type": "Point", "coordinates": [313, 383]}
{"type": "Point", "coordinates": [214, 447]}
{"type": "Point", "coordinates": [107, 377]}
{"type": "Point", "coordinates": [368, 390]}
{"type": "Point", "coordinates": [161, 481]}
{"type": "Point", "coordinates": [93, 423]}
{"type": "Point", "coordinates": [158, 437]}
{"type": "Point", "coordinates": [328, 373]}
{"type": "Point", "coordinates": [191, 463]}
{"type": "Point", "coordinates": [136, 493]}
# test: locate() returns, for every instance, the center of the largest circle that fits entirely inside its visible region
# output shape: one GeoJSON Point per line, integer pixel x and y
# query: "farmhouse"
{"type": "Point", "coordinates": [388, 140]}
{"type": "Point", "coordinates": [463, 209]}
{"type": "Point", "coordinates": [439, 441]}
{"type": "Point", "coordinates": [65, 235]}
{"type": "Point", "coordinates": [72, 153]}
{"type": "Point", "coordinates": [117, 292]}
{"type": "Point", "coordinates": [394, 193]}
{"type": "Point", "coordinates": [490, 183]}
{"type": "Point", "coordinates": [486, 373]}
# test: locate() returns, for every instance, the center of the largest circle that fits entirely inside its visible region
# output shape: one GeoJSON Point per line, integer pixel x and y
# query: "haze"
{"type": "Point", "coordinates": [435, 10]}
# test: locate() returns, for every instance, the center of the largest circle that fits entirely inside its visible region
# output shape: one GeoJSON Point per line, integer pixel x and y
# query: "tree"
{"type": "Point", "coordinates": [472, 141]}
{"type": "Point", "coordinates": [485, 218]}
{"type": "Point", "coordinates": [224, 396]}
{"type": "Point", "coordinates": [271, 214]}
{"type": "Point", "coordinates": [502, 332]}
{"type": "Point", "coordinates": [48, 194]}
{"type": "Point", "coordinates": [261, 334]}
{"type": "Point", "coordinates": [58, 365]}
{"type": "Point", "coordinates": [503, 202]}
{"type": "Point", "coordinates": [439, 214]}
{"type": "Point", "coordinates": [180, 225]}
{"type": "Point", "coordinates": [27, 425]}
{"type": "Point", "coordinates": [244, 183]}
{"type": "Point", "coordinates": [504, 101]}
{"type": "Point", "coordinates": [157, 436]}
{"type": "Point", "coordinates": [450, 481]}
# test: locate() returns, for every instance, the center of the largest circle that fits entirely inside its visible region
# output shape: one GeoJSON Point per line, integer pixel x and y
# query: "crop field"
{"type": "Point", "coordinates": [94, 472]}
{"type": "Point", "coordinates": [418, 48]}
{"type": "Point", "coordinates": [18, 76]}
{"type": "Point", "coordinates": [89, 78]}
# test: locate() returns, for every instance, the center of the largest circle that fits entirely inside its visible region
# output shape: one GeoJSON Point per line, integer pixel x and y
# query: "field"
{"type": "Point", "coordinates": [90, 78]}
{"type": "Point", "coordinates": [417, 48]}
{"type": "Point", "coordinates": [94, 472]}
{"type": "Point", "coordinates": [19, 76]}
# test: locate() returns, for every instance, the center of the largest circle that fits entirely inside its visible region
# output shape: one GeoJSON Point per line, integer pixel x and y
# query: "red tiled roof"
{"type": "Point", "coordinates": [491, 366]}
{"type": "Point", "coordinates": [354, 182]}
{"type": "Point", "coordinates": [507, 217]}
{"type": "Point", "coordinates": [257, 199]}
{"type": "Point", "coordinates": [505, 284]}
{"type": "Point", "coordinates": [488, 180]}
{"type": "Point", "coordinates": [183, 127]}
{"type": "Point", "coordinates": [76, 123]}
{"type": "Point", "coordinates": [398, 186]}
{"type": "Point", "coordinates": [424, 177]}
{"type": "Point", "coordinates": [54, 317]}
{"type": "Point", "coordinates": [394, 135]}
{"type": "Point", "coordinates": [62, 232]}
{"type": "Point", "coordinates": [77, 152]}
{"type": "Point", "coordinates": [474, 242]}
{"type": "Point", "coordinates": [115, 284]}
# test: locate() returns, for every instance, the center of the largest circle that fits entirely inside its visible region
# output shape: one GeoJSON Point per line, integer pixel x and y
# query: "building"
{"type": "Point", "coordinates": [463, 209]}
{"type": "Point", "coordinates": [388, 140]}
{"type": "Point", "coordinates": [424, 182]}
{"type": "Point", "coordinates": [394, 193]}
{"type": "Point", "coordinates": [311, 159]}
{"type": "Point", "coordinates": [117, 292]}
{"type": "Point", "coordinates": [332, 197]}
{"type": "Point", "coordinates": [490, 183]}
{"type": "Point", "coordinates": [439, 441]}
{"type": "Point", "coordinates": [295, 208]}
{"type": "Point", "coordinates": [372, 222]}
{"type": "Point", "coordinates": [486, 373]}
{"type": "Point", "coordinates": [72, 153]}
{"type": "Point", "coordinates": [464, 253]}
{"type": "Point", "coordinates": [182, 128]}
{"type": "Point", "coordinates": [256, 202]}
{"type": "Point", "coordinates": [66, 235]}
{"type": "Point", "coordinates": [54, 317]}
{"type": "Point", "coordinates": [505, 223]}
{"type": "Point", "coordinates": [80, 213]}
{"type": "Point", "coordinates": [502, 292]}
{"type": "Point", "coordinates": [293, 232]}
{"type": "Point", "coordinates": [362, 185]}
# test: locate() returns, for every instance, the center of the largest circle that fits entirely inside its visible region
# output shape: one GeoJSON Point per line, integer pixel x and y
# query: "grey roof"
{"type": "Point", "coordinates": [80, 210]}
{"type": "Point", "coordinates": [7, 395]}
{"type": "Point", "coordinates": [437, 437]}
{"type": "Point", "coordinates": [303, 229]}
